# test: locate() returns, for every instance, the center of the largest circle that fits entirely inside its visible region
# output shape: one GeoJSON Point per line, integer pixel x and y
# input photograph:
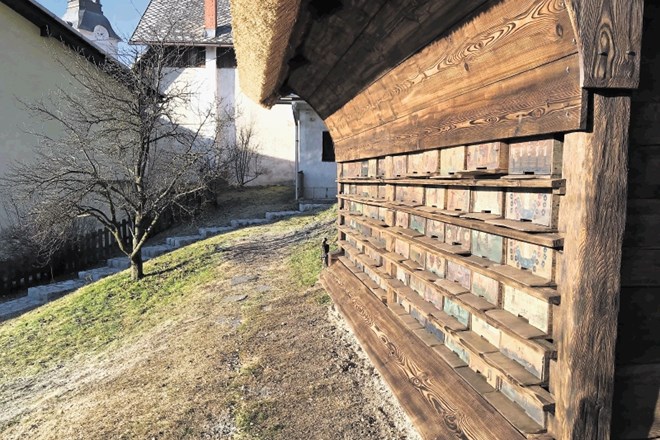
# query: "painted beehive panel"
{"type": "Point", "coordinates": [531, 406]}
{"type": "Point", "coordinates": [371, 211]}
{"type": "Point", "coordinates": [532, 360]}
{"type": "Point", "coordinates": [418, 255]}
{"type": "Point", "coordinates": [435, 331]}
{"type": "Point", "coordinates": [382, 167]}
{"type": "Point", "coordinates": [418, 224]}
{"type": "Point", "coordinates": [537, 259]}
{"type": "Point", "coordinates": [436, 264]}
{"type": "Point", "coordinates": [459, 274]}
{"type": "Point", "coordinates": [487, 201]}
{"type": "Point", "coordinates": [458, 235]}
{"type": "Point", "coordinates": [489, 156]}
{"type": "Point", "coordinates": [456, 347]}
{"type": "Point", "coordinates": [388, 167]}
{"type": "Point", "coordinates": [373, 191]}
{"type": "Point", "coordinates": [390, 217]}
{"type": "Point", "coordinates": [374, 255]}
{"type": "Point", "coordinates": [435, 197]}
{"type": "Point", "coordinates": [478, 365]}
{"type": "Point", "coordinates": [373, 167]}
{"type": "Point", "coordinates": [402, 275]}
{"type": "Point", "coordinates": [352, 189]}
{"type": "Point", "coordinates": [364, 168]}
{"type": "Point", "coordinates": [357, 208]}
{"type": "Point", "coordinates": [535, 311]}
{"type": "Point", "coordinates": [390, 191]}
{"type": "Point", "coordinates": [489, 246]}
{"type": "Point", "coordinates": [410, 194]}
{"type": "Point", "coordinates": [433, 296]}
{"type": "Point", "coordinates": [486, 287]}
{"type": "Point", "coordinates": [402, 248]}
{"type": "Point", "coordinates": [458, 200]}
{"type": "Point", "coordinates": [527, 206]}
{"type": "Point", "coordinates": [452, 160]}
{"type": "Point", "coordinates": [486, 331]}
{"type": "Point", "coordinates": [435, 229]}
{"type": "Point", "coordinates": [352, 169]}
{"type": "Point", "coordinates": [423, 163]}
{"type": "Point", "coordinates": [382, 214]}
{"type": "Point", "coordinates": [458, 312]}
{"type": "Point", "coordinates": [382, 192]}
{"type": "Point", "coordinates": [402, 219]}
{"type": "Point", "coordinates": [418, 286]}
{"type": "Point", "coordinates": [399, 165]}
{"type": "Point", "coordinates": [542, 157]}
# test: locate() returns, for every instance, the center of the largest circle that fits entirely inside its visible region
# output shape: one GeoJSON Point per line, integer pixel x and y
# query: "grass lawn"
{"type": "Point", "coordinates": [227, 338]}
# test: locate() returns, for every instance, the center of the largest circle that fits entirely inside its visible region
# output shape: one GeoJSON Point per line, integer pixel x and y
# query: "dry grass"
{"type": "Point", "coordinates": [231, 339]}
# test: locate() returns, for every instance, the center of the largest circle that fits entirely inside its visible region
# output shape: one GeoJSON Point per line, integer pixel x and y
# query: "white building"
{"type": "Point", "coordinates": [315, 158]}
{"type": "Point", "coordinates": [201, 29]}
{"type": "Point", "coordinates": [86, 16]}
{"type": "Point", "coordinates": [34, 46]}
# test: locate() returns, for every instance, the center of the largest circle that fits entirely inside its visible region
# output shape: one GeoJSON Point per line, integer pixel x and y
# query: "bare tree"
{"type": "Point", "coordinates": [122, 152]}
{"type": "Point", "coordinates": [242, 156]}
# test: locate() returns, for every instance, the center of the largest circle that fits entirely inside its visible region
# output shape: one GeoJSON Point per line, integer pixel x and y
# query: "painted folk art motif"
{"type": "Point", "coordinates": [533, 207]}
{"type": "Point", "coordinates": [422, 164]}
{"type": "Point", "coordinates": [459, 274]}
{"type": "Point", "coordinates": [535, 311]}
{"type": "Point", "coordinates": [452, 160]}
{"type": "Point", "coordinates": [418, 255]}
{"type": "Point", "coordinates": [458, 200]}
{"type": "Point", "coordinates": [418, 224]}
{"type": "Point", "coordinates": [435, 229]}
{"type": "Point", "coordinates": [435, 197]}
{"type": "Point", "coordinates": [490, 156]}
{"type": "Point", "coordinates": [458, 235]}
{"type": "Point", "coordinates": [458, 312]}
{"type": "Point", "coordinates": [536, 259]}
{"type": "Point", "coordinates": [487, 201]}
{"type": "Point", "coordinates": [436, 264]}
{"type": "Point", "coordinates": [487, 246]}
{"type": "Point", "coordinates": [486, 287]}
{"type": "Point", "coordinates": [542, 157]}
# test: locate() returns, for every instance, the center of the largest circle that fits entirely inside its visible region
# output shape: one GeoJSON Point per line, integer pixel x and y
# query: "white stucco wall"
{"type": "Point", "coordinates": [318, 177]}
{"type": "Point", "coordinates": [274, 132]}
{"type": "Point", "coordinates": [28, 71]}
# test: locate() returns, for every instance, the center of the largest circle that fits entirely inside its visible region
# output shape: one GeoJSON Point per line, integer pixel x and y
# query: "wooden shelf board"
{"type": "Point", "coordinates": [532, 182]}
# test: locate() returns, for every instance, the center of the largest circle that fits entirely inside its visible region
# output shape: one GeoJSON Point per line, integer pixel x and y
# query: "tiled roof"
{"type": "Point", "coordinates": [182, 22]}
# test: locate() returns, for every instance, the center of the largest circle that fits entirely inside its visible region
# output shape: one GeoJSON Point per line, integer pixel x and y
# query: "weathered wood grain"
{"type": "Point", "coordinates": [547, 99]}
{"type": "Point", "coordinates": [395, 32]}
{"type": "Point", "coordinates": [609, 37]}
{"type": "Point", "coordinates": [595, 168]}
{"type": "Point", "coordinates": [440, 404]}
{"type": "Point", "coordinates": [527, 33]}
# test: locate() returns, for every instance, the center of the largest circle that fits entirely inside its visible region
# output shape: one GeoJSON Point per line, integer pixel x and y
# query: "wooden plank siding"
{"type": "Point", "coordinates": [637, 382]}
{"type": "Point", "coordinates": [449, 93]}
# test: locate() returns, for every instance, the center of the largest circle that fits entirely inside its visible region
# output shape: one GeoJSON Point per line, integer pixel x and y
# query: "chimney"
{"type": "Point", "coordinates": [210, 17]}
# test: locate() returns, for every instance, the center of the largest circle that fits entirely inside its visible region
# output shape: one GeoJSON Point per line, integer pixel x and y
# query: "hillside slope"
{"type": "Point", "coordinates": [227, 338]}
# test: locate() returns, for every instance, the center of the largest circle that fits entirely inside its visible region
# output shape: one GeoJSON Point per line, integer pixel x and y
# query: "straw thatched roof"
{"type": "Point", "coordinates": [262, 31]}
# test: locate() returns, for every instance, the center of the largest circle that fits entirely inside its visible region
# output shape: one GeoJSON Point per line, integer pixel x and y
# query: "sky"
{"type": "Point", "coordinates": [123, 14]}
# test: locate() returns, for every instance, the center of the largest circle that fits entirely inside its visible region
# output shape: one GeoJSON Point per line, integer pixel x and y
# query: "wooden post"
{"type": "Point", "coordinates": [593, 219]}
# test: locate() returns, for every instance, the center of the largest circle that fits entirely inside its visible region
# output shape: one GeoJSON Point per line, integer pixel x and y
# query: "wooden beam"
{"type": "Point", "coordinates": [593, 217]}
{"type": "Point", "coordinates": [609, 38]}
{"type": "Point", "coordinates": [547, 99]}
{"type": "Point", "coordinates": [438, 401]}
{"type": "Point", "coordinates": [526, 33]}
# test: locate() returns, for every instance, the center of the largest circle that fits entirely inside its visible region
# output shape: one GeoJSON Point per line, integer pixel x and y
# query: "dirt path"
{"type": "Point", "coordinates": [252, 355]}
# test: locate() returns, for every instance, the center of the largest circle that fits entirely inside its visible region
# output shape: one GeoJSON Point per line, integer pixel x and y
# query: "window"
{"type": "Point", "coordinates": [328, 148]}
{"type": "Point", "coordinates": [225, 58]}
{"type": "Point", "coordinates": [186, 56]}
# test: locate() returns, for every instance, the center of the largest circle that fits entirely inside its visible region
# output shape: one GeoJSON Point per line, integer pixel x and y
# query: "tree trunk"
{"type": "Point", "coordinates": [137, 271]}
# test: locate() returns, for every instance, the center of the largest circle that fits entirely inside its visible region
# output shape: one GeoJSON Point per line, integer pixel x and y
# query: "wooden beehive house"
{"type": "Point", "coordinates": [498, 192]}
